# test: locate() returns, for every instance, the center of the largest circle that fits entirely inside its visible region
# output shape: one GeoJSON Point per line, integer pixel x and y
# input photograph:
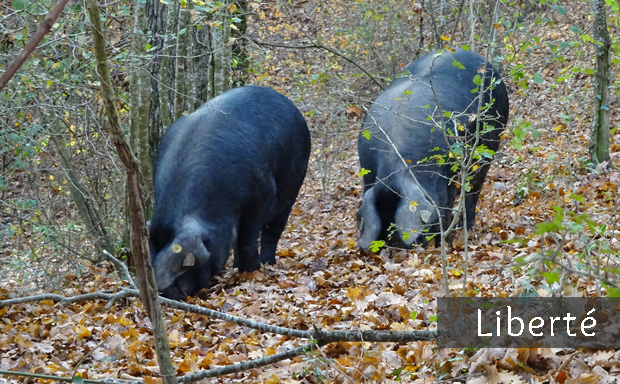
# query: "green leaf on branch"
{"type": "Point", "coordinates": [18, 5]}
{"type": "Point", "coordinates": [551, 277]}
{"type": "Point", "coordinates": [376, 245]}
{"type": "Point", "coordinates": [538, 79]}
{"type": "Point", "coordinates": [458, 64]}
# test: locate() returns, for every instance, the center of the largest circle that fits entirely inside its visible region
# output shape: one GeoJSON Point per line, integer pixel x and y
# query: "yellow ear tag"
{"type": "Point", "coordinates": [176, 248]}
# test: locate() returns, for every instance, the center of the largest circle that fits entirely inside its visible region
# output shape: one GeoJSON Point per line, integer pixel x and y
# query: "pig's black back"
{"type": "Point", "coordinates": [401, 110]}
{"type": "Point", "coordinates": [226, 147]}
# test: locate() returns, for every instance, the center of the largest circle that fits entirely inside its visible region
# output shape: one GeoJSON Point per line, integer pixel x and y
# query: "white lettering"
{"type": "Point", "coordinates": [553, 319]}
{"type": "Point", "coordinates": [510, 319]}
{"type": "Point", "coordinates": [480, 334]}
{"type": "Point", "coordinates": [592, 319]}
{"type": "Point", "coordinates": [540, 325]}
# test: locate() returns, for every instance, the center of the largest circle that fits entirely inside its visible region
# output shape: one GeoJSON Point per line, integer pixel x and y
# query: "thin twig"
{"type": "Point", "coordinates": [49, 377]}
{"type": "Point", "coordinates": [43, 30]}
{"type": "Point", "coordinates": [247, 365]}
{"type": "Point", "coordinates": [314, 45]}
{"type": "Point", "coordinates": [121, 268]}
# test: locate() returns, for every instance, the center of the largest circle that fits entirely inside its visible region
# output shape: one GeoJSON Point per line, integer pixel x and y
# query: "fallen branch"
{"type": "Point", "coordinates": [121, 267]}
{"type": "Point", "coordinates": [323, 337]}
{"type": "Point", "coordinates": [318, 337]}
{"type": "Point", "coordinates": [215, 372]}
{"type": "Point", "coordinates": [247, 365]}
{"type": "Point", "coordinates": [48, 377]}
{"type": "Point", "coordinates": [69, 300]}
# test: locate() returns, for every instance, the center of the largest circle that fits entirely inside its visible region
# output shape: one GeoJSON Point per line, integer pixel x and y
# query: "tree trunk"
{"type": "Point", "coordinates": [156, 20]}
{"type": "Point", "coordinates": [191, 103]}
{"type": "Point", "coordinates": [135, 192]}
{"type": "Point", "coordinates": [182, 82]}
{"type": "Point", "coordinates": [239, 48]}
{"type": "Point", "coordinates": [140, 102]}
{"type": "Point", "coordinates": [168, 70]}
{"type": "Point", "coordinates": [221, 55]}
{"type": "Point", "coordinates": [599, 142]}
{"type": "Point", "coordinates": [202, 60]}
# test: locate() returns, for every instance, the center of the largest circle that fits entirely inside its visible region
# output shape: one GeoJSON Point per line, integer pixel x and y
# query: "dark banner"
{"type": "Point", "coordinates": [528, 322]}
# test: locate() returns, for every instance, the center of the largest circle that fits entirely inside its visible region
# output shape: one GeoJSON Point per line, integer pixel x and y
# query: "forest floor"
{"type": "Point", "coordinates": [322, 279]}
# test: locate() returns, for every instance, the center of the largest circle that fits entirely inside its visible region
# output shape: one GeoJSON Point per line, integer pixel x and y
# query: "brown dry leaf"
{"type": "Point", "coordinates": [188, 365]}
{"type": "Point", "coordinates": [173, 338]}
{"type": "Point", "coordinates": [489, 374]}
{"type": "Point", "coordinates": [136, 368]}
{"type": "Point", "coordinates": [387, 299]}
{"type": "Point", "coordinates": [544, 358]}
{"type": "Point", "coordinates": [561, 377]}
{"type": "Point", "coordinates": [585, 378]}
{"type": "Point", "coordinates": [272, 380]}
{"type": "Point", "coordinates": [44, 347]}
{"type": "Point", "coordinates": [602, 358]}
{"type": "Point", "coordinates": [510, 377]}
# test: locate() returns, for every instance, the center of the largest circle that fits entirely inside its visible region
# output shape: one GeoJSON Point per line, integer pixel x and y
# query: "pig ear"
{"type": "Point", "coordinates": [425, 215]}
{"type": "Point", "coordinates": [368, 220]}
{"type": "Point", "coordinates": [189, 260]}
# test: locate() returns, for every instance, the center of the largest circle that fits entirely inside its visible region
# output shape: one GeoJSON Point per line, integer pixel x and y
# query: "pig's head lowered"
{"type": "Point", "coordinates": [408, 216]}
{"type": "Point", "coordinates": [184, 261]}
{"type": "Point", "coordinates": [415, 220]}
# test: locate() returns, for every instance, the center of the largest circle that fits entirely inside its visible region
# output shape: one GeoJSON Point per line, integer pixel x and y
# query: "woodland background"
{"type": "Point", "coordinates": [547, 221]}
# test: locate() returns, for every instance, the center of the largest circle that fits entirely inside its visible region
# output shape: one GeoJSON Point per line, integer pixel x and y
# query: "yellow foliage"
{"type": "Point", "coordinates": [82, 331]}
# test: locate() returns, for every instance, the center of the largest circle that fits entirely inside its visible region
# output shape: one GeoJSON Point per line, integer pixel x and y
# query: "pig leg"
{"type": "Point", "coordinates": [368, 219]}
{"type": "Point", "coordinates": [270, 236]}
{"type": "Point", "coordinates": [246, 252]}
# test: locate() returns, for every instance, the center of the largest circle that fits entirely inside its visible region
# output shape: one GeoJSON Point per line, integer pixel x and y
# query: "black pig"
{"type": "Point", "coordinates": [404, 144]}
{"type": "Point", "coordinates": [225, 175]}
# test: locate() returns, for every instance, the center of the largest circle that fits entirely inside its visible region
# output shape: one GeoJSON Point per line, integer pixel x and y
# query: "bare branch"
{"type": "Point", "coordinates": [48, 377]}
{"type": "Point", "coordinates": [43, 30]}
{"type": "Point", "coordinates": [247, 365]}
{"type": "Point", "coordinates": [318, 338]}
{"type": "Point", "coordinates": [322, 336]}
{"type": "Point", "coordinates": [314, 45]}
{"type": "Point", "coordinates": [121, 268]}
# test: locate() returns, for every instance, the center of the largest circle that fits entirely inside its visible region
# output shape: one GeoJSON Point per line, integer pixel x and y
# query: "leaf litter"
{"type": "Point", "coordinates": [321, 278]}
